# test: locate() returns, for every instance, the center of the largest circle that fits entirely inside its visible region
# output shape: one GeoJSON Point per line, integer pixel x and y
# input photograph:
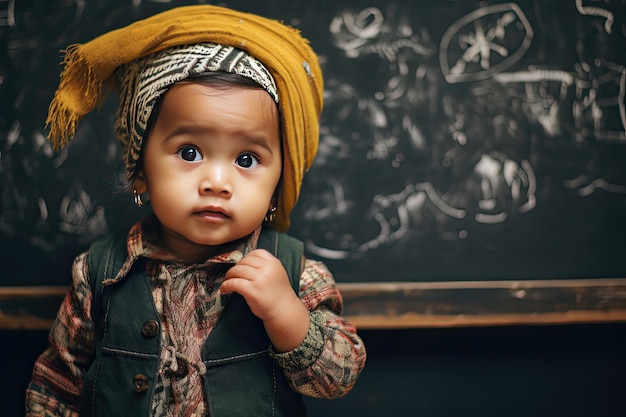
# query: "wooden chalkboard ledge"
{"type": "Point", "coordinates": [484, 303]}
{"type": "Point", "coordinates": [387, 305]}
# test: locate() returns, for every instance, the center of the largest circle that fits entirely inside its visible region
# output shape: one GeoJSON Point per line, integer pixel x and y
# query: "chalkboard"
{"type": "Point", "coordinates": [460, 141]}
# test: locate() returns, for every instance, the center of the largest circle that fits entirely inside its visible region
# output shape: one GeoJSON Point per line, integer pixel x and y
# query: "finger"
{"type": "Point", "coordinates": [241, 270]}
{"type": "Point", "coordinates": [261, 254]}
{"type": "Point", "coordinates": [232, 285]}
{"type": "Point", "coordinates": [256, 259]}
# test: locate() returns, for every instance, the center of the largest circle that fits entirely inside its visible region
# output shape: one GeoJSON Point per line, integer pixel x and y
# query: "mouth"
{"type": "Point", "coordinates": [212, 214]}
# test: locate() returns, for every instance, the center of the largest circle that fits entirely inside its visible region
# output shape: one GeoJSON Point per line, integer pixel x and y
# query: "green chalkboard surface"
{"type": "Point", "coordinates": [460, 141]}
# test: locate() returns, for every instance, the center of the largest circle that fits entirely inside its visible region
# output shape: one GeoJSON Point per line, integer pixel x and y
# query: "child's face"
{"type": "Point", "coordinates": [211, 164]}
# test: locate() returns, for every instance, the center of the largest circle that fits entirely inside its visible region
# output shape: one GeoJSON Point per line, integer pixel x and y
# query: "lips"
{"type": "Point", "coordinates": [212, 214]}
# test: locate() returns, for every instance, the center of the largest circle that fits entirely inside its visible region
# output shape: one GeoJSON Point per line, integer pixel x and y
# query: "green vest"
{"type": "Point", "coordinates": [242, 379]}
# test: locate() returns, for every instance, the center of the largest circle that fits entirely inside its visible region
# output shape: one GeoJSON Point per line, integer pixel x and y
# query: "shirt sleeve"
{"type": "Point", "coordinates": [331, 357]}
{"type": "Point", "coordinates": [55, 387]}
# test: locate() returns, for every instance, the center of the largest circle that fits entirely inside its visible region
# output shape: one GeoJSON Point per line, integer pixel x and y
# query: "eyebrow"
{"type": "Point", "coordinates": [256, 140]}
{"type": "Point", "coordinates": [253, 139]}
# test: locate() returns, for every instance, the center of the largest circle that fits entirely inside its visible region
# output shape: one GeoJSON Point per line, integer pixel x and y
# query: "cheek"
{"type": "Point", "coordinates": [165, 188]}
{"type": "Point", "coordinates": [157, 167]}
{"type": "Point", "coordinates": [274, 184]}
{"type": "Point", "coordinates": [162, 185]}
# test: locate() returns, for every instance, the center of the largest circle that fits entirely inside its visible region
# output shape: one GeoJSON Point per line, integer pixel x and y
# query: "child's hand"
{"type": "Point", "coordinates": [262, 280]}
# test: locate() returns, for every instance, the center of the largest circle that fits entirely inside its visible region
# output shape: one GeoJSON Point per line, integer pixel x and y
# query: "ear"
{"type": "Point", "coordinates": [274, 200]}
{"type": "Point", "coordinates": [139, 183]}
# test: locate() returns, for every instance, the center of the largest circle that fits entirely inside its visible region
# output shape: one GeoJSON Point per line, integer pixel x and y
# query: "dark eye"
{"type": "Point", "coordinates": [247, 160]}
{"type": "Point", "coordinates": [189, 153]}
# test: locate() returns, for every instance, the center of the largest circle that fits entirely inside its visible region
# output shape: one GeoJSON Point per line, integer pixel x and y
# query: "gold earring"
{"type": "Point", "coordinates": [137, 198]}
{"type": "Point", "coordinates": [271, 214]}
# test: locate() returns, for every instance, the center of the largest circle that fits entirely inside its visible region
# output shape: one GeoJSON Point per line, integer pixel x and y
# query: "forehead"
{"type": "Point", "coordinates": [225, 108]}
{"type": "Point", "coordinates": [223, 79]}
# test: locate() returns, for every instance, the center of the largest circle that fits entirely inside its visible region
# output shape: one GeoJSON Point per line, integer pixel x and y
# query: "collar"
{"type": "Point", "coordinates": [142, 242]}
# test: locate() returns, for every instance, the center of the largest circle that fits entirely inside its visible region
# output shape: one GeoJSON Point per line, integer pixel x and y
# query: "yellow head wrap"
{"type": "Point", "coordinates": [280, 48]}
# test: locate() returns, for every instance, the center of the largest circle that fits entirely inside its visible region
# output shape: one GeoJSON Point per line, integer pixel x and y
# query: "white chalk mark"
{"type": "Point", "coordinates": [43, 209]}
{"type": "Point", "coordinates": [597, 11]}
{"type": "Point", "coordinates": [339, 206]}
{"type": "Point", "coordinates": [535, 76]}
{"type": "Point", "coordinates": [438, 202]}
{"type": "Point", "coordinates": [602, 101]}
{"type": "Point", "coordinates": [532, 188]}
{"type": "Point", "coordinates": [367, 32]}
{"type": "Point", "coordinates": [592, 186]}
{"type": "Point", "coordinates": [490, 218]}
{"type": "Point", "coordinates": [325, 252]}
{"type": "Point", "coordinates": [486, 38]}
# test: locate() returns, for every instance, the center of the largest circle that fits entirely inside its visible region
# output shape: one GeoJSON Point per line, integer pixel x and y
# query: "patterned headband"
{"type": "Point", "coordinates": [144, 80]}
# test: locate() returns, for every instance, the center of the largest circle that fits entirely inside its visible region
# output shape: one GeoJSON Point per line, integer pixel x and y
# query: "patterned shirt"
{"type": "Point", "coordinates": [325, 365]}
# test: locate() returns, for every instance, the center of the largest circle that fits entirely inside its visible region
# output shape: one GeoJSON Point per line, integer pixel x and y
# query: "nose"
{"type": "Point", "coordinates": [216, 179]}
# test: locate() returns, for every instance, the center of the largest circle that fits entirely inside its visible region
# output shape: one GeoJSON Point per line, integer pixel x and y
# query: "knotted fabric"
{"type": "Point", "coordinates": [281, 49]}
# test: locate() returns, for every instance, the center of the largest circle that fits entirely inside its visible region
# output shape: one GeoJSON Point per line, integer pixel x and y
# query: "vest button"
{"type": "Point", "coordinates": [150, 328]}
{"type": "Point", "coordinates": [140, 383]}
